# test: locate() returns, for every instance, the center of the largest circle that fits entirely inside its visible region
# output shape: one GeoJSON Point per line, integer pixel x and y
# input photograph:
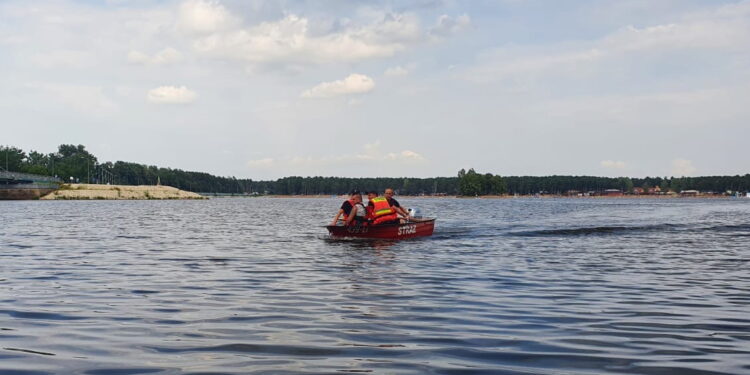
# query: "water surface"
{"type": "Point", "coordinates": [252, 285]}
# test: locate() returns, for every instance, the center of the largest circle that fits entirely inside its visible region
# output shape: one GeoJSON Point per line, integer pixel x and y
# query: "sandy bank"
{"type": "Point", "coordinates": [92, 191]}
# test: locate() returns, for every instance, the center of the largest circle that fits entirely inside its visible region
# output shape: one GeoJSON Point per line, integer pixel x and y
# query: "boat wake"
{"type": "Point", "coordinates": [598, 230]}
{"type": "Point", "coordinates": [623, 229]}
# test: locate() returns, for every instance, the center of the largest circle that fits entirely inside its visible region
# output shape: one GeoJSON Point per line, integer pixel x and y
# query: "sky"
{"type": "Point", "coordinates": [266, 89]}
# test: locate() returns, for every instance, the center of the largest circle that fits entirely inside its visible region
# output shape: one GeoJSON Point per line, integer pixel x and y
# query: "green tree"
{"type": "Point", "coordinates": [664, 186]}
{"type": "Point", "coordinates": [37, 163]}
{"type": "Point", "coordinates": [470, 184]}
{"type": "Point", "coordinates": [626, 184]}
{"type": "Point", "coordinates": [73, 161]}
{"type": "Point", "coordinates": [677, 184]}
{"type": "Point", "coordinates": [12, 158]}
{"type": "Point", "coordinates": [497, 185]}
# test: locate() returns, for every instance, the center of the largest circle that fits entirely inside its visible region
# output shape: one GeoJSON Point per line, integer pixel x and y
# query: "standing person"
{"type": "Point", "coordinates": [394, 203]}
{"type": "Point", "coordinates": [347, 206]}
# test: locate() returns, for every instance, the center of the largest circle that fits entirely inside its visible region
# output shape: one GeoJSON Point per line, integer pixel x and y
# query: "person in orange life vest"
{"type": "Point", "coordinates": [351, 210]}
{"type": "Point", "coordinates": [382, 212]}
{"type": "Point", "coordinates": [370, 196]}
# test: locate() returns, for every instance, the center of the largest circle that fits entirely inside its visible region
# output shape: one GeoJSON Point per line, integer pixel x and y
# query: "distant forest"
{"type": "Point", "coordinates": [70, 161]}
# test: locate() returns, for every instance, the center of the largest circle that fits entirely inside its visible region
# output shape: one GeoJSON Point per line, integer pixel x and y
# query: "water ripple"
{"type": "Point", "coordinates": [237, 286]}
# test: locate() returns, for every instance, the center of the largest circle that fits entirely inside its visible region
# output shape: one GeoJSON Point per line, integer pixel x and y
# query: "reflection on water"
{"type": "Point", "coordinates": [241, 286]}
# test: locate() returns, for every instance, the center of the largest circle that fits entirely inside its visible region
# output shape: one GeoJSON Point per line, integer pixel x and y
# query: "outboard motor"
{"type": "Point", "coordinates": [413, 212]}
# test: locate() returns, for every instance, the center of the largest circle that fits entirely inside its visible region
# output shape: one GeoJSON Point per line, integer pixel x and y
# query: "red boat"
{"type": "Point", "coordinates": [411, 229]}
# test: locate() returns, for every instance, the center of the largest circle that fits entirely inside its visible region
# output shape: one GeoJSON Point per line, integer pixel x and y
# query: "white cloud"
{"type": "Point", "coordinates": [695, 34]}
{"type": "Point", "coordinates": [613, 164]}
{"type": "Point", "coordinates": [82, 98]}
{"type": "Point", "coordinates": [705, 33]}
{"type": "Point", "coordinates": [12, 39]}
{"type": "Point", "coordinates": [447, 26]}
{"type": "Point", "coordinates": [137, 57]}
{"type": "Point", "coordinates": [396, 71]}
{"type": "Point", "coordinates": [353, 84]}
{"type": "Point", "coordinates": [300, 40]}
{"type": "Point", "coordinates": [372, 152]}
{"type": "Point", "coordinates": [370, 155]}
{"type": "Point", "coordinates": [203, 16]}
{"type": "Point", "coordinates": [166, 56]}
{"type": "Point", "coordinates": [261, 163]}
{"type": "Point", "coordinates": [405, 155]}
{"type": "Point", "coordinates": [673, 110]}
{"type": "Point", "coordinates": [355, 101]}
{"type": "Point", "coordinates": [64, 58]}
{"type": "Point", "coordinates": [217, 29]}
{"type": "Point", "coordinates": [171, 95]}
{"type": "Point", "coordinates": [682, 167]}
{"type": "Point", "coordinates": [290, 40]}
{"type": "Point", "coordinates": [629, 88]}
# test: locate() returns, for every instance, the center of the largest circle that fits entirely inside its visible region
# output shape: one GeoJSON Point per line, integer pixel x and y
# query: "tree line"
{"type": "Point", "coordinates": [472, 183]}
{"type": "Point", "coordinates": [74, 162]}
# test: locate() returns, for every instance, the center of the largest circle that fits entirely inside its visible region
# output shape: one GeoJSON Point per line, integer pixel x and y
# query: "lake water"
{"type": "Point", "coordinates": [252, 285]}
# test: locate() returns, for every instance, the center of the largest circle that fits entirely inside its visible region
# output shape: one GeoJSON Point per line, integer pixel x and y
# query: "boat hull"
{"type": "Point", "coordinates": [386, 231]}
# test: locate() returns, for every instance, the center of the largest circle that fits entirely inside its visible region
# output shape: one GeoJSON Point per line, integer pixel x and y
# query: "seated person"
{"type": "Point", "coordinates": [381, 212]}
{"type": "Point", "coordinates": [396, 206]}
{"type": "Point", "coordinates": [358, 214]}
{"type": "Point", "coordinates": [350, 209]}
{"type": "Point", "coordinates": [370, 196]}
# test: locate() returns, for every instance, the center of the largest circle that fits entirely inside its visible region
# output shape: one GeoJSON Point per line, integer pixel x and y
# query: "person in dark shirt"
{"type": "Point", "coordinates": [347, 206]}
{"type": "Point", "coordinates": [394, 203]}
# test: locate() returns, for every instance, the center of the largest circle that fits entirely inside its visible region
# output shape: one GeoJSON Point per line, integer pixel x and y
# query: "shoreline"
{"type": "Point", "coordinates": [119, 192]}
{"type": "Point", "coordinates": [545, 196]}
{"type": "Point", "coordinates": [161, 192]}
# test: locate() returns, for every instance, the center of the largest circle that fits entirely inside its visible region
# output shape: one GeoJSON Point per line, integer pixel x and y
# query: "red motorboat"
{"type": "Point", "coordinates": [411, 229]}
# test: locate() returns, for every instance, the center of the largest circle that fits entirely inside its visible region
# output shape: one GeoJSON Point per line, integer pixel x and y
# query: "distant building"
{"type": "Point", "coordinates": [612, 193]}
{"type": "Point", "coordinates": [638, 190]}
{"type": "Point", "coordinates": [690, 193]}
{"type": "Point", "coordinates": [654, 190]}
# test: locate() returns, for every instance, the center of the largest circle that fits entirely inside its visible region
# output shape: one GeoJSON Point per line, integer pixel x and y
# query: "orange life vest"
{"type": "Point", "coordinates": [382, 211]}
